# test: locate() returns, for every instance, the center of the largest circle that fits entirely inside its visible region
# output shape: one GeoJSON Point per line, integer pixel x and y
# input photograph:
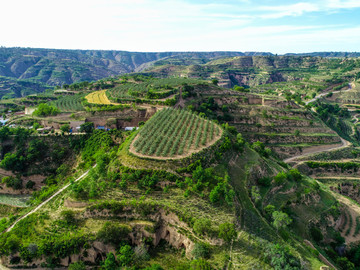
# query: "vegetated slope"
{"type": "Point", "coordinates": [251, 71]}
{"type": "Point", "coordinates": [51, 67]}
{"type": "Point", "coordinates": [14, 88]}
{"type": "Point", "coordinates": [282, 125]}
{"type": "Point", "coordinates": [175, 134]}
{"type": "Point", "coordinates": [29, 161]}
{"type": "Point", "coordinates": [176, 213]}
{"type": "Point", "coordinates": [137, 89]}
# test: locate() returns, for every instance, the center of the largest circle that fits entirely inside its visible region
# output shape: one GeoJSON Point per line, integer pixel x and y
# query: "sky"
{"type": "Point", "coordinates": [276, 26]}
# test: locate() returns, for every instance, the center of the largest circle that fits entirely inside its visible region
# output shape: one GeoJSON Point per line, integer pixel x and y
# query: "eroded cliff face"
{"type": "Point", "coordinates": [168, 227]}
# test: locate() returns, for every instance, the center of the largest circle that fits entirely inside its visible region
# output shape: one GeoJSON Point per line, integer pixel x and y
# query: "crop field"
{"type": "Point", "coordinates": [14, 200]}
{"type": "Point", "coordinates": [149, 89]}
{"type": "Point", "coordinates": [175, 133]}
{"type": "Point", "coordinates": [98, 97]}
{"type": "Point", "coordinates": [69, 103]}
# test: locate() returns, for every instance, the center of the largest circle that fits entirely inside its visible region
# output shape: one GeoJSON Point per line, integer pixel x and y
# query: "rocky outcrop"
{"type": "Point", "coordinates": [168, 227]}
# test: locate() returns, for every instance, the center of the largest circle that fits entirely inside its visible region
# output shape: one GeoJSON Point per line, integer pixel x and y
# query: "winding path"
{"type": "Point", "coordinates": [351, 85]}
{"type": "Point", "coordinates": [344, 143]}
{"type": "Point", "coordinates": [46, 201]}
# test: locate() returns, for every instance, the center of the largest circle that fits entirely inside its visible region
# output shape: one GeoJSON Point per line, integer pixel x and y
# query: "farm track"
{"type": "Point", "coordinates": [47, 201]}
{"type": "Point", "coordinates": [351, 86]}
{"type": "Point", "coordinates": [343, 144]}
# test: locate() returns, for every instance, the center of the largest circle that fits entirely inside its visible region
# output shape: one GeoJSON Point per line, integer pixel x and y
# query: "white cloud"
{"type": "Point", "coordinates": [288, 10]}
{"type": "Point", "coordinates": [170, 25]}
{"type": "Point", "coordinates": [339, 4]}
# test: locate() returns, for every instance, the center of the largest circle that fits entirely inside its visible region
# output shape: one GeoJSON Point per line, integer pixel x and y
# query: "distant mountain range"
{"type": "Point", "coordinates": [25, 71]}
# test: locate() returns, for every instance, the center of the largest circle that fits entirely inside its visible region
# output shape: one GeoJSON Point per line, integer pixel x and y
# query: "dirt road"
{"type": "Point", "coordinates": [344, 143]}
{"type": "Point", "coordinates": [49, 199]}
{"type": "Point", "coordinates": [351, 85]}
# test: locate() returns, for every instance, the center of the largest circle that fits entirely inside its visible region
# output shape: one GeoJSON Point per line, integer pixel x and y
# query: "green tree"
{"type": "Point", "coordinates": [46, 110]}
{"type": "Point", "coordinates": [113, 233]}
{"type": "Point", "coordinates": [239, 88]}
{"type": "Point", "coordinates": [294, 175]}
{"type": "Point", "coordinates": [65, 128]}
{"type": "Point", "coordinates": [227, 231]}
{"type": "Point", "coordinates": [255, 194]}
{"type": "Point", "coordinates": [154, 267]}
{"type": "Point", "coordinates": [201, 250]}
{"type": "Point", "coordinates": [345, 264]}
{"type": "Point", "coordinates": [77, 266]}
{"type": "Point", "coordinates": [12, 243]}
{"type": "Point", "coordinates": [280, 219]}
{"type": "Point", "coordinates": [69, 217]}
{"type": "Point", "coordinates": [110, 262]}
{"type": "Point", "coordinates": [200, 264]}
{"type": "Point", "coordinates": [280, 178]}
{"type": "Point", "coordinates": [87, 127]}
{"type": "Point", "coordinates": [202, 226]}
{"type": "Point", "coordinates": [215, 81]}
{"type": "Point", "coordinates": [4, 133]}
{"type": "Point", "coordinates": [269, 209]}
{"type": "Point", "coordinates": [125, 255]}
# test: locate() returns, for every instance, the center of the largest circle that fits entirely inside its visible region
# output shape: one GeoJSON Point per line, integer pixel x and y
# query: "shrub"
{"type": "Point", "coordinates": [261, 149]}
{"type": "Point", "coordinates": [154, 267]}
{"type": "Point", "coordinates": [264, 181]}
{"type": "Point", "coordinates": [201, 250]}
{"type": "Point", "coordinates": [294, 175]}
{"type": "Point", "coordinates": [69, 217]}
{"type": "Point", "coordinates": [110, 262]}
{"type": "Point", "coordinates": [12, 243]}
{"type": "Point", "coordinates": [30, 184]}
{"type": "Point", "coordinates": [269, 209]}
{"type": "Point", "coordinates": [280, 178]}
{"type": "Point", "coordinates": [202, 226]}
{"type": "Point", "coordinates": [113, 233]}
{"type": "Point", "coordinates": [280, 257]}
{"type": "Point", "coordinates": [280, 219]}
{"type": "Point", "coordinates": [227, 231]}
{"type": "Point", "coordinates": [126, 255]}
{"type": "Point", "coordinates": [77, 266]}
{"type": "Point", "coordinates": [316, 234]}
{"type": "Point", "coordinates": [15, 183]}
{"type": "Point", "coordinates": [46, 110]}
{"type": "Point", "coordinates": [200, 264]}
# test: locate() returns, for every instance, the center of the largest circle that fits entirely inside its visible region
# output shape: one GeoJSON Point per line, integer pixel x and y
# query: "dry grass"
{"type": "Point", "coordinates": [99, 97]}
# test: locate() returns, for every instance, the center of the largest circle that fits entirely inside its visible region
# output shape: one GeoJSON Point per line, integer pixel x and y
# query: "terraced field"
{"type": "Point", "coordinates": [99, 97]}
{"type": "Point", "coordinates": [14, 200]}
{"type": "Point", "coordinates": [69, 103]}
{"type": "Point", "coordinates": [150, 89]}
{"type": "Point", "coordinates": [285, 127]}
{"type": "Point", "coordinates": [175, 133]}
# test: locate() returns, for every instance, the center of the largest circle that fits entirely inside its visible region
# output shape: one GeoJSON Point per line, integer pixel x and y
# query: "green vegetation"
{"type": "Point", "coordinates": [172, 133]}
{"type": "Point", "coordinates": [142, 89]}
{"type": "Point", "coordinates": [344, 166]}
{"type": "Point", "coordinates": [186, 190]}
{"type": "Point", "coordinates": [45, 110]}
{"type": "Point", "coordinates": [70, 103]}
